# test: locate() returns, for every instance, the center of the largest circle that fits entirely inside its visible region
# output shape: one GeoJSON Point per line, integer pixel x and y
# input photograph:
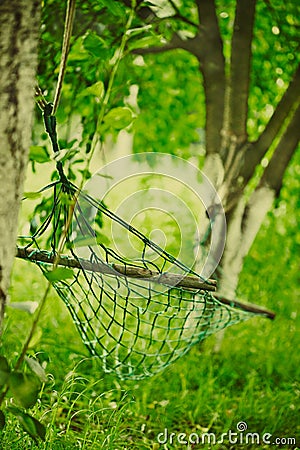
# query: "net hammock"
{"type": "Point", "coordinates": [136, 315]}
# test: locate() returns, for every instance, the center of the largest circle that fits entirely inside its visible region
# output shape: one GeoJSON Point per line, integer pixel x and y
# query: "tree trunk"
{"type": "Point", "coordinates": [19, 27]}
{"type": "Point", "coordinates": [245, 219]}
{"type": "Point", "coordinates": [231, 157]}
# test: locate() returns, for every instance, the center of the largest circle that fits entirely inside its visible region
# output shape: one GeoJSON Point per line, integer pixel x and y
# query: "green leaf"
{"type": "Point", "coordinates": [2, 420]}
{"type": "Point", "coordinates": [40, 428]}
{"type": "Point", "coordinates": [94, 44]}
{"type": "Point", "coordinates": [36, 368]}
{"type": "Point", "coordinates": [38, 154]}
{"type": "Point", "coordinates": [85, 241]}
{"type": "Point", "coordinates": [65, 154]}
{"type": "Point", "coordinates": [63, 143]}
{"type": "Point", "coordinates": [65, 199]}
{"type": "Point", "coordinates": [25, 388]}
{"type": "Point", "coordinates": [35, 338]}
{"type": "Point", "coordinates": [96, 89]}
{"type": "Point", "coordinates": [31, 425]}
{"type": "Point", "coordinates": [102, 239]}
{"type": "Point", "coordinates": [59, 274]}
{"type": "Point", "coordinates": [147, 41]}
{"type": "Point", "coordinates": [117, 118]}
{"type": "Point", "coordinates": [4, 371]}
{"type": "Point", "coordinates": [29, 306]}
{"type": "Point", "coordinates": [114, 7]}
{"type": "Point", "coordinates": [32, 195]}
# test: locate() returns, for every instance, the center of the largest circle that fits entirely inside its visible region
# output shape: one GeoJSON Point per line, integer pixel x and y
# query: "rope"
{"type": "Point", "coordinates": [70, 14]}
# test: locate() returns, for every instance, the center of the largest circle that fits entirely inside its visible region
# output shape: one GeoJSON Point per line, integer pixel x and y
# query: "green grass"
{"type": "Point", "coordinates": [254, 378]}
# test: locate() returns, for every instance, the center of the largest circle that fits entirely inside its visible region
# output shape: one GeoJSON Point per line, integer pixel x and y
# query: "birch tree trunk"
{"type": "Point", "coordinates": [19, 28]}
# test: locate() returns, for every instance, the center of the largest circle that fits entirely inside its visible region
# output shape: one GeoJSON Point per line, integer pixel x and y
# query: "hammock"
{"type": "Point", "coordinates": [136, 315]}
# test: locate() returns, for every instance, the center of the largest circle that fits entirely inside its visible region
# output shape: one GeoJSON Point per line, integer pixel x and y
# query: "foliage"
{"type": "Point", "coordinates": [253, 378]}
{"type": "Point", "coordinates": [168, 114]}
{"type": "Point", "coordinates": [275, 57]}
{"type": "Point", "coordinates": [24, 388]}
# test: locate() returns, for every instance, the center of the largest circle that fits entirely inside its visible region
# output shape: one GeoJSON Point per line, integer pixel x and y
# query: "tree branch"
{"type": "Point", "coordinates": [148, 15]}
{"type": "Point", "coordinates": [144, 12]}
{"type": "Point", "coordinates": [169, 279]}
{"type": "Point", "coordinates": [263, 196]}
{"type": "Point", "coordinates": [249, 307]}
{"type": "Point", "coordinates": [212, 65]}
{"type": "Point", "coordinates": [240, 68]}
{"type": "Point", "coordinates": [284, 107]}
{"type": "Point", "coordinates": [175, 43]}
{"type": "Point", "coordinates": [179, 16]}
{"type": "Point", "coordinates": [192, 45]}
{"type": "Point", "coordinates": [273, 174]}
{"type": "Point", "coordinates": [154, 50]}
{"type": "Point", "coordinates": [258, 149]}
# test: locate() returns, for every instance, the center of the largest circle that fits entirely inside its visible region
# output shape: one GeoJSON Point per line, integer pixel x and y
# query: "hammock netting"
{"type": "Point", "coordinates": [137, 315]}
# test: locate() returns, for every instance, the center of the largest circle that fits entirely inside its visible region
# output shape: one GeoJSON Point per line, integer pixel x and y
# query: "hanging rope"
{"type": "Point", "coordinates": [68, 28]}
{"type": "Point", "coordinates": [69, 20]}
